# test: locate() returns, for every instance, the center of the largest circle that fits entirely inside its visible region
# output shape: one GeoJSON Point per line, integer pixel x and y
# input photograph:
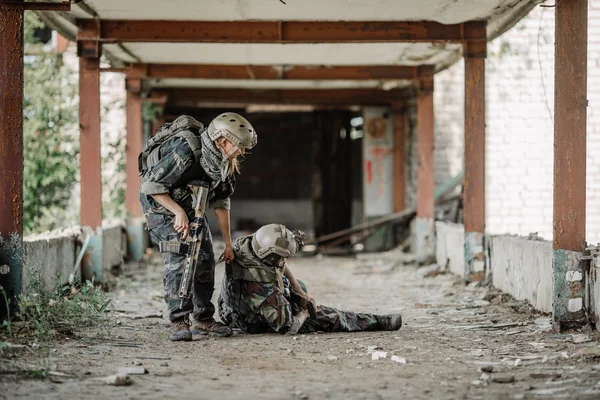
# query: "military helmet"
{"type": "Point", "coordinates": [274, 241]}
{"type": "Point", "coordinates": [234, 128]}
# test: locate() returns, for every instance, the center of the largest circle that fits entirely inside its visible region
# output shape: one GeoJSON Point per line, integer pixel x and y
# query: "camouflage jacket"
{"type": "Point", "coordinates": [171, 174]}
{"type": "Point", "coordinates": [254, 296]}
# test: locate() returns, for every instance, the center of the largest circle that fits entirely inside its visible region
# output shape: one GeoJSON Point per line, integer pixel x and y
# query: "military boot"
{"type": "Point", "coordinates": [391, 322]}
{"type": "Point", "coordinates": [180, 330]}
{"type": "Point", "coordinates": [210, 327]}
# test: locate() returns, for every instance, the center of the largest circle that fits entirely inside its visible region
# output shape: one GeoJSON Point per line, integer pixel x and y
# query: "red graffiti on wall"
{"type": "Point", "coordinates": [378, 154]}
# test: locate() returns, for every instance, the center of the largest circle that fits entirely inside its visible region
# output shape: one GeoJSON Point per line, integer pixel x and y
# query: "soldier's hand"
{"type": "Point", "coordinates": [182, 224]}
{"type": "Point", "coordinates": [228, 254]}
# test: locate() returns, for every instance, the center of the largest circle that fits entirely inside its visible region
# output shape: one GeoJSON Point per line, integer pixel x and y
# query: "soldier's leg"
{"type": "Point", "coordinates": [174, 265]}
{"type": "Point", "coordinates": [204, 282]}
{"type": "Point", "coordinates": [331, 319]}
{"type": "Point", "coordinates": [204, 287]}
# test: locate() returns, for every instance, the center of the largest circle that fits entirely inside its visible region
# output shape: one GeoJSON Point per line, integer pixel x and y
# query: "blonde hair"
{"type": "Point", "coordinates": [235, 163]}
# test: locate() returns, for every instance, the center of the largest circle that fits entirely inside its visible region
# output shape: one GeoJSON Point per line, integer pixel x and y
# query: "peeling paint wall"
{"type": "Point", "coordinates": [51, 257]}
{"type": "Point", "coordinates": [519, 266]}
{"type": "Point", "coordinates": [450, 247]}
{"type": "Point", "coordinates": [523, 269]}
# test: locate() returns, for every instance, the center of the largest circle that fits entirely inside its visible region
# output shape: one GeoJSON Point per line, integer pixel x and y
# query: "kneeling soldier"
{"type": "Point", "coordinates": [259, 294]}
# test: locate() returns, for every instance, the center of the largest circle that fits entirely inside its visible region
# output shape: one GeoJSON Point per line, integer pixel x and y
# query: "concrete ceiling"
{"type": "Point", "coordinates": [500, 15]}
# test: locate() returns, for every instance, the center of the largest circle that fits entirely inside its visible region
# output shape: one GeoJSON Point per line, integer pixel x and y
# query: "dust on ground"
{"type": "Point", "coordinates": [457, 342]}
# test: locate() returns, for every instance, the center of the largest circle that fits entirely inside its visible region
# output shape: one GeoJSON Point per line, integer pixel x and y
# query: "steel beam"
{"type": "Point", "coordinates": [287, 31]}
{"type": "Point", "coordinates": [11, 155]}
{"type": "Point", "coordinates": [187, 97]}
{"type": "Point", "coordinates": [474, 166]}
{"type": "Point", "coordinates": [399, 116]}
{"type": "Point", "coordinates": [571, 275]}
{"type": "Point", "coordinates": [425, 240]}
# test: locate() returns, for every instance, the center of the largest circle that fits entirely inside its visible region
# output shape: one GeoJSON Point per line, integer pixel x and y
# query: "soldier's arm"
{"type": "Point", "coordinates": [167, 171]}
{"type": "Point", "coordinates": [297, 287]}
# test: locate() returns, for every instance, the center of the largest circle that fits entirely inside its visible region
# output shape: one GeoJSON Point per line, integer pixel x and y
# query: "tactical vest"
{"type": "Point", "coordinates": [185, 127]}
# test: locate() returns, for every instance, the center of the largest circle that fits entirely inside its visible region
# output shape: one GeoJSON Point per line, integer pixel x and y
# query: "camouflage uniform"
{"type": "Point", "coordinates": [176, 167]}
{"type": "Point", "coordinates": [257, 298]}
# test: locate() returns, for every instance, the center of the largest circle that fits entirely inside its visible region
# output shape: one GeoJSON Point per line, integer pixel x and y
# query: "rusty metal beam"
{"type": "Point", "coordinates": [134, 148]}
{"type": "Point", "coordinates": [399, 115]}
{"type": "Point", "coordinates": [316, 72]}
{"type": "Point", "coordinates": [288, 31]}
{"type": "Point", "coordinates": [38, 6]}
{"type": "Point", "coordinates": [178, 96]}
{"type": "Point", "coordinates": [11, 154]}
{"type": "Point", "coordinates": [89, 141]}
{"type": "Point", "coordinates": [570, 104]}
{"type": "Point", "coordinates": [425, 147]}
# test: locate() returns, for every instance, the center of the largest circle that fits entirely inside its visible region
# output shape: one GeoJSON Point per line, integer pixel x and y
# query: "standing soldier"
{"type": "Point", "coordinates": [180, 153]}
{"type": "Point", "coordinates": [259, 294]}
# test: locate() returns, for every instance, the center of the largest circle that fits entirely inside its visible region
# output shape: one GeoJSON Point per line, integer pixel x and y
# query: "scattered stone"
{"type": "Point", "coordinates": [332, 358]}
{"type": "Point", "coordinates": [370, 349]}
{"type": "Point", "coordinates": [295, 338]}
{"type": "Point", "coordinates": [545, 375]}
{"type": "Point", "coordinates": [484, 377]}
{"type": "Point", "coordinates": [117, 380]}
{"type": "Point", "coordinates": [377, 355]}
{"type": "Point", "coordinates": [486, 368]}
{"type": "Point", "coordinates": [301, 395]}
{"type": "Point", "coordinates": [476, 382]}
{"type": "Point", "coordinates": [429, 271]}
{"type": "Point", "coordinates": [503, 378]}
{"type": "Point", "coordinates": [164, 364]}
{"type": "Point", "coordinates": [596, 367]}
{"type": "Point", "coordinates": [400, 360]}
{"type": "Point", "coordinates": [517, 362]}
{"type": "Point", "coordinates": [581, 338]}
{"type": "Point", "coordinates": [132, 371]}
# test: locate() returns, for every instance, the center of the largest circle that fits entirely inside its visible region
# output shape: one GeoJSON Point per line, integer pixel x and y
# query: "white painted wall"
{"type": "Point", "coordinates": [519, 121]}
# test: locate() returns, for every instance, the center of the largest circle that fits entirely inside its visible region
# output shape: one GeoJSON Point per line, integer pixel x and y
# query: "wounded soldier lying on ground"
{"type": "Point", "coordinates": [260, 295]}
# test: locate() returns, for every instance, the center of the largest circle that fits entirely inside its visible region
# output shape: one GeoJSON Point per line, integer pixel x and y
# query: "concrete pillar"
{"type": "Point", "coordinates": [378, 173]}
{"type": "Point", "coordinates": [91, 165]}
{"type": "Point", "coordinates": [425, 234]}
{"type": "Point", "coordinates": [474, 161]}
{"type": "Point", "coordinates": [570, 103]}
{"type": "Point", "coordinates": [135, 217]}
{"type": "Point", "coordinates": [399, 117]}
{"type": "Point", "coordinates": [11, 154]}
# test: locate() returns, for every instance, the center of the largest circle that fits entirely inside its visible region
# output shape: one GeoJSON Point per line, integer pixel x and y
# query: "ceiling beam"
{"type": "Point", "coordinates": [253, 72]}
{"type": "Point", "coordinates": [192, 96]}
{"type": "Point", "coordinates": [285, 31]}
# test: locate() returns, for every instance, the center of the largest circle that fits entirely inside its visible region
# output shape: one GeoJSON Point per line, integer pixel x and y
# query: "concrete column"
{"type": "Point", "coordinates": [425, 234]}
{"type": "Point", "coordinates": [135, 217]}
{"type": "Point", "coordinates": [399, 116]}
{"type": "Point", "coordinates": [91, 165]}
{"type": "Point", "coordinates": [474, 161]}
{"type": "Point", "coordinates": [570, 103]}
{"type": "Point", "coordinates": [378, 173]}
{"type": "Point", "coordinates": [11, 154]}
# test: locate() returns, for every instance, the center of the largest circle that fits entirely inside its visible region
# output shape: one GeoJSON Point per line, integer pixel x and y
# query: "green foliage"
{"type": "Point", "coordinates": [113, 184]}
{"type": "Point", "coordinates": [62, 311]}
{"type": "Point", "coordinates": [50, 136]}
{"type": "Point", "coordinates": [151, 111]}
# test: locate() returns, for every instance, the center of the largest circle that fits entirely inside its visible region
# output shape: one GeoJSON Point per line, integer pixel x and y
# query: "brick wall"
{"type": "Point", "coordinates": [519, 145]}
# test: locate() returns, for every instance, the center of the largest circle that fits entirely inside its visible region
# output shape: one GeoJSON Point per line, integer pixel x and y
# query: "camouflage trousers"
{"type": "Point", "coordinates": [331, 319]}
{"type": "Point", "coordinates": [203, 284]}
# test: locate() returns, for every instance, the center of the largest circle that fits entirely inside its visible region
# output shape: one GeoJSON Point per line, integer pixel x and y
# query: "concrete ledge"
{"type": "Point", "coordinates": [450, 247]}
{"type": "Point", "coordinates": [523, 268]}
{"type": "Point", "coordinates": [114, 245]}
{"type": "Point", "coordinates": [48, 258]}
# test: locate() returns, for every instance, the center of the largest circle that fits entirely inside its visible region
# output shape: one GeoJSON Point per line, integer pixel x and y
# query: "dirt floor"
{"type": "Point", "coordinates": [456, 342]}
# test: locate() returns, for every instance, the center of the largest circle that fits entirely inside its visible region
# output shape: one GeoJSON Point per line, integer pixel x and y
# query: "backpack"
{"type": "Point", "coordinates": [184, 127]}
